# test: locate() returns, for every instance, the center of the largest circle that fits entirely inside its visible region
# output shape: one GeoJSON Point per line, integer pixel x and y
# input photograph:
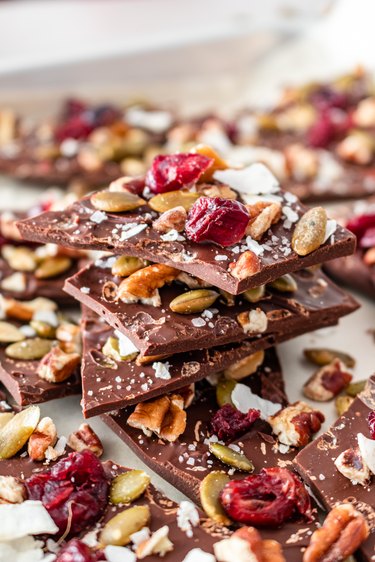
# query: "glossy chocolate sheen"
{"type": "Point", "coordinates": [74, 228]}
{"type": "Point", "coordinates": [315, 463]}
{"type": "Point", "coordinates": [187, 461]}
{"type": "Point", "coordinates": [158, 330]}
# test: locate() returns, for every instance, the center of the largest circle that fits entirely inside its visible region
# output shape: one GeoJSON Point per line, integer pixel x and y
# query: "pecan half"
{"type": "Point", "coordinates": [164, 416]}
{"type": "Point", "coordinates": [343, 531]}
{"type": "Point", "coordinates": [172, 219]}
{"type": "Point", "coordinates": [143, 283]}
{"type": "Point", "coordinates": [327, 382]}
{"type": "Point", "coordinates": [296, 424]}
{"type": "Point", "coordinates": [44, 436]}
{"type": "Point", "coordinates": [57, 366]}
{"type": "Point", "coordinates": [85, 439]}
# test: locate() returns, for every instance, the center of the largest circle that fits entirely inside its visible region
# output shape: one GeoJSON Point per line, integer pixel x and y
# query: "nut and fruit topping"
{"type": "Point", "coordinates": [371, 423]}
{"type": "Point", "coordinates": [194, 301]}
{"type": "Point", "coordinates": [343, 531]}
{"type": "Point", "coordinates": [228, 423]}
{"type": "Point", "coordinates": [254, 321]}
{"type": "Point", "coordinates": [228, 456]}
{"type": "Point", "coordinates": [43, 437]}
{"type": "Point", "coordinates": [29, 350]}
{"type": "Point", "coordinates": [15, 434]}
{"type": "Point", "coordinates": [245, 367]}
{"type": "Point", "coordinates": [164, 416]}
{"type": "Point", "coordinates": [173, 219]}
{"type": "Point", "coordinates": [143, 283]}
{"type": "Point", "coordinates": [76, 550]}
{"type": "Point", "coordinates": [327, 382]}
{"type": "Point", "coordinates": [85, 439]}
{"type": "Point", "coordinates": [284, 284]}
{"type": "Point", "coordinates": [248, 264]}
{"type": "Point", "coordinates": [128, 486]}
{"type": "Point", "coordinates": [171, 200]}
{"type": "Point", "coordinates": [354, 388]}
{"type": "Point", "coordinates": [342, 404]}
{"type": "Point", "coordinates": [116, 201]}
{"type": "Point", "coordinates": [174, 171]}
{"type": "Point", "coordinates": [57, 366]}
{"type": "Point", "coordinates": [309, 232]}
{"type": "Point", "coordinates": [322, 356]}
{"type": "Point", "coordinates": [217, 220]}
{"type": "Point", "coordinates": [126, 265]}
{"type": "Point", "coordinates": [224, 391]}
{"type": "Point", "coordinates": [118, 530]}
{"type": "Point", "coordinates": [247, 544]}
{"type": "Point", "coordinates": [53, 267]}
{"type": "Point", "coordinates": [210, 490]}
{"type": "Point", "coordinates": [12, 490]}
{"type": "Point", "coordinates": [268, 499]}
{"type": "Point", "coordinates": [74, 491]}
{"type": "Point", "coordinates": [362, 226]}
{"type": "Point", "coordinates": [296, 424]}
{"type": "Point", "coordinates": [351, 465]}
{"type": "Point", "coordinates": [267, 216]}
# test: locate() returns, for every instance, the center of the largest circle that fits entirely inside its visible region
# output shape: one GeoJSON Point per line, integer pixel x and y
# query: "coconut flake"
{"type": "Point", "coordinates": [255, 179]}
{"type": "Point", "coordinates": [199, 555]}
{"type": "Point", "coordinates": [133, 231]}
{"type": "Point", "coordinates": [154, 121]}
{"type": "Point", "coordinates": [23, 519]}
{"type": "Point", "coordinates": [187, 517]}
{"type": "Point", "coordinates": [126, 346]}
{"type": "Point", "coordinates": [367, 450]}
{"type": "Point", "coordinates": [119, 554]}
{"type": "Point", "coordinates": [244, 400]}
{"type": "Point", "coordinates": [98, 217]}
{"type": "Point", "coordinates": [330, 229]}
{"type": "Point", "coordinates": [162, 370]}
{"type": "Point", "coordinates": [47, 316]}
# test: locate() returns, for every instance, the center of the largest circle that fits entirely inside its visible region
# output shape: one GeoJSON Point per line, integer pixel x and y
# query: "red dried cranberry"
{"type": "Point", "coordinates": [371, 423]}
{"type": "Point", "coordinates": [322, 133]}
{"type": "Point", "coordinates": [77, 551]}
{"type": "Point", "coordinates": [76, 127]}
{"type": "Point", "coordinates": [360, 224]}
{"type": "Point", "coordinates": [266, 499]}
{"type": "Point", "coordinates": [327, 98]}
{"type": "Point", "coordinates": [173, 171]}
{"type": "Point", "coordinates": [368, 239]}
{"type": "Point", "coordinates": [72, 107]}
{"type": "Point", "coordinates": [135, 186]}
{"type": "Point", "coordinates": [103, 115]}
{"type": "Point", "coordinates": [213, 219]}
{"type": "Point", "coordinates": [74, 491]}
{"type": "Point", "coordinates": [229, 423]}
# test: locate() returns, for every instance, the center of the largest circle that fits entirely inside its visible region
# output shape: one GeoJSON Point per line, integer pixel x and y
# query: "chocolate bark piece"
{"type": "Point", "coordinates": [315, 463]}
{"type": "Point", "coordinates": [158, 330]}
{"type": "Point", "coordinates": [352, 270]}
{"type": "Point", "coordinates": [81, 226]}
{"type": "Point", "coordinates": [109, 385]}
{"type": "Point", "coordinates": [186, 462]}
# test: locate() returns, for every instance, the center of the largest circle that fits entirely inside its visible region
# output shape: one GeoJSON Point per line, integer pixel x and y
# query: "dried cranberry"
{"type": "Point", "coordinates": [173, 171]}
{"type": "Point", "coordinates": [327, 98]}
{"type": "Point", "coordinates": [74, 491]}
{"type": "Point", "coordinates": [360, 224]}
{"type": "Point", "coordinates": [76, 127]}
{"type": "Point", "coordinates": [229, 423]}
{"type": "Point", "coordinates": [77, 551]}
{"type": "Point", "coordinates": [368, 239]}
{"type": "Point", "coordinates": [102, 115]}
{"type": "Point", "coordinates": [135, 186]}
{"type": "Point", "coordinates": [266, 499]}
{"type": "Point", "coordinates": [371, 423]}
{"type": "Point", "coordinates": [72, 107]}
{"type": "Point", "coordinates": [323, 132]}
{"type": "Point", "coordinates": [213, 219]}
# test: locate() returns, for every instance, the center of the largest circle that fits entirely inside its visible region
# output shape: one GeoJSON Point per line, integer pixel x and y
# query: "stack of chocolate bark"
{"type": "Point", "coordinates": [205, 268]}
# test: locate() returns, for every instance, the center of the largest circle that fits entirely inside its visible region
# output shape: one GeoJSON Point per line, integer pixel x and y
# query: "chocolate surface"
{"type": "Point", "coordinates": [315, 463]}
{"type": "Point", "coordinates": [187, 461]}
{"type": "Point", "coordinates": [158, 330]}
{"type": "Point", "coordinates": [75, 229]}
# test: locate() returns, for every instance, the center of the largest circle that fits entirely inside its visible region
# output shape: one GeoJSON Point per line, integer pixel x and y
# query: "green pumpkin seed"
{"type": "Point", "coordinates": [256, 294]}
{"type": "Point", "coordinates": [194, 301]}
{"type": "Point", "coordinates": [322, 356]}
{"type": "Point", "coordinates": [210, 490]}
{"type": "Point", "coordinates": [245, 367]}
{"type": "Point", "coordinates": [342, 404]}
{"type": "Point", "coordinates": [230, 457]}
{"type": "Point", "coordinates": [119, 529]}
{"type": "Point", "coordinates": [17, 431]}
{"type": "Point", "coordinates": [9, 333]}
{"type": "Point", "coordinates": [127, 487]}
{"type": "Point", "coordinates": [116, 201]}
{"type": "Point", "coordinates": [5, 417]}
{"type": "Point", "coordinates": [166, 201]}
{"type": "Point", "coordinates": [43, 329]}
{"type": "Point", "coordinates": [52, 267]}
{"type": "Point", "coordinates": [310, 231]}
{"type": "Point", "coordinates": [284, 284]}
{"type": "Point", "coordinates": [111, 349]}
{"type": "Point", "coordinates": [355, 388]}
{"type": "Point", "coordinates": [126, 265]}
{"type": "Point", "coordinates": [30, 349]}
{"type": "Point", "coordinates": [224, 391]}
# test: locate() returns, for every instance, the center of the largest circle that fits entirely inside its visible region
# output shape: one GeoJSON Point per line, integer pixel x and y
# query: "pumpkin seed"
{"type": "Point", "coordinates": [116, 201]}
{"type": "Point", "coordinates": [9, 333]}
{"type": "Point", "coordinates": [43, 329]}
{"type": "Point", "coordinates": [229, 299]}
{"type": "Point", "coordinates": [166, 201]}
{"type": "Point", "coordinates": [224, 391]}
{"type": "Point", "coordinates": [20, 258]}
{"type": "Point", "coordinates": [322, 356]}
{"type": "Point", "coordinates": [310, 231]}
{"type": "Point", "coordinates": [103, 361]}
{"type": "Point", "coordinates": [355, 388]}
{"type": "Point", "coordinates": [127, 487]}
{"type": "Point", "coordinates": [17, 431]}
{"type": "Point", "coordinates": [256, 294]}
{"type": "Point", "coordinates": [111, 349]}
{"type": "Point", "coordinates": [210, 490]}
{"type": "Point", "coordinates": [284, 284]}
{"type": "Point", "coordinates": [194, 301]}
{"type": "Point", "coordinates": [217, 164]}
{"type": "Point", "coordinates": [119, 529]}
{"type": "Point", "coordinates": [245, 367]}
{"type": "Point", "coordinates": [230, 457]}
{"type": "Point", "coordinates": [30, 349]}
{"type": "Point", "coordinates": [5, 417]}
{"type": "Point", "coordinates": [342, 404]}
{"type": "Point", "coordinates": [52, 267]}
{"type": "Point", "coordinates": [126, 265]}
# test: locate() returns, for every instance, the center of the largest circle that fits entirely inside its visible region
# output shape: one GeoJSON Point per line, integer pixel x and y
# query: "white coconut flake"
{"type": "Point", "coordinates": [254, 246]}
{"type": "Point", "coordinates": [25, 549]}
{"type": "Point", "coordinates": [126, 346]}
{"type": "Point", "coordinates": [367, 450]}
{"type": "Point", "coordinates": [255, 179]}
{"type": "Point", "coordinates": [47, 316]}
{"type": "Point", "coordinates": [98, 217]}
{"type": "Point", "coordinates": [85, 290]}
{"type": "Point", "coordinates": [105, 263]}
{"type": "Point", "coordinates": [140, 536]}
{"type": "Point", "coordinates": [23, 519]}
{"type": "Point", "coordinates": [199, 555]}
{"type": "Point", "coordinates": [330, 229]}
{"type": "Point", "coordinates": [221, 257]}
{"type": "Point", "coordinates": [198, 322]}
{"type": "Point", "coordinates": [69, 147]}
{"type": "Point", "coordinates": [290, 214]}
{"type": "Point", "coordinates": [133, 231]}
{"type": "Point", "coordinates": [244, 400]}
{"type": "Point", "coordinates": [162, 370]}
{"type": "Point", "coordinates": [187, 517]}
{"type": "Point", "coordinates": [154, 121]}
{"type": "Point", "coordinates": [119, 554]}
{"type": "Point", "coordinates": [28, 331]}
{"type": "Point", "coordinates": [171, 236]}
